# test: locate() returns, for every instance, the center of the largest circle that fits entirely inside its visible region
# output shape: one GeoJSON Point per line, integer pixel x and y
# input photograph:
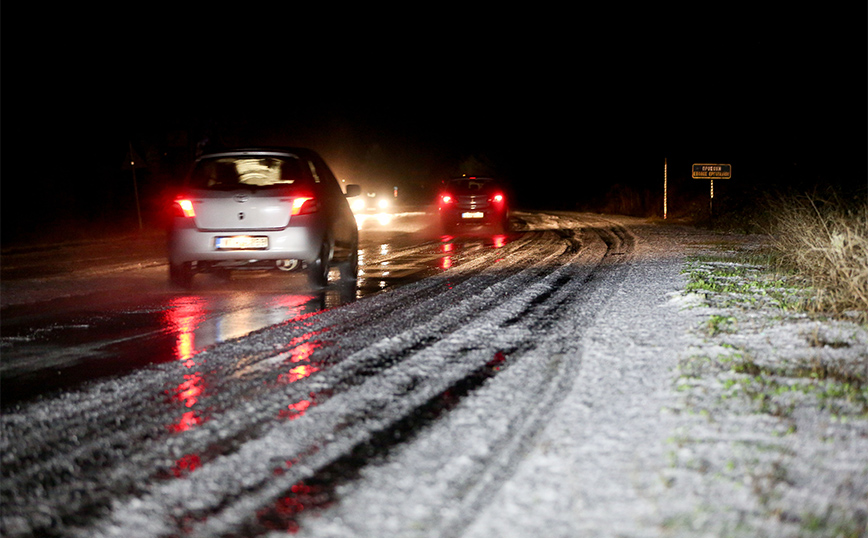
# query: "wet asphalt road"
{"type": "Point", "coordinates": [81, 312]}
{"type": "Point", "coordinates": [262, 398]}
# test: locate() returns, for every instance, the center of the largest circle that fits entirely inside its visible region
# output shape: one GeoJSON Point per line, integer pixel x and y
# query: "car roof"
{"type": "Point", "coordinates": [473, 179]}
{"type": "Point", "coordinates": [235, 152]}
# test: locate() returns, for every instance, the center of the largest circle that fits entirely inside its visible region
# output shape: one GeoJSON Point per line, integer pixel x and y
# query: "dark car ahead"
{"type": "Point", "coordinates": [473, 201]}
{"type": "Point", "coordinates": [262, 208]}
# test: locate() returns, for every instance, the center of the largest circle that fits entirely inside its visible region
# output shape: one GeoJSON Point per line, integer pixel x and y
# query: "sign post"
{"type": "Point", "coordinates": [712, 171]}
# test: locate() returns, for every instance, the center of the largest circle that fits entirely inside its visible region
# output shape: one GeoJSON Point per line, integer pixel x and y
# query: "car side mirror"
{"type": "Point", "coordinates": [353, 190]}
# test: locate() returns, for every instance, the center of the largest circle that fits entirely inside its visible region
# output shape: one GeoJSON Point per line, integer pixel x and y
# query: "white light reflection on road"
{"type": "Point", "coordinates": [365, 221]}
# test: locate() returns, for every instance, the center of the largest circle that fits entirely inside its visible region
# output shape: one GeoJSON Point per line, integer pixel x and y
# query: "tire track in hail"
{"type": "Point", "coordinates": [541, 387]}
{"type": "Point", "coordinates": [434, 370]}
{"type": "Point", "coordinates": [71, 453]}
{"type": "Point", "coordinates": [412, 349]}
{"type": "Point", "coordinates": [125, 471]}
{"type": "Point", "coordinates": [346, 421]}
{"type": "Point", "coordinates": [371, 447]}
{"type": "Point", "coordinates": [556, 380]}
{"type": "Point", "coordinates": [301, 327]}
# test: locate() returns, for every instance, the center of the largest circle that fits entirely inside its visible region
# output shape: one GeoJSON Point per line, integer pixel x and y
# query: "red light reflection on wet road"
{"type": "Point", "coordinates": [183, 317]}
{"type": "Point", "coordinates": [199, 321]}
{"type": "Point", "coordinates": [300, 353]}
{"type": "Point", "coordinates": [186, 465]}
{"type": "Point", "coordinates": [188, 420]}
{"type": "Point", "coordinates": [299, 372]}
{"type": "Point", "coordinates": [295, 410]}
{"type": "Point", "coordinates": [449, 245]}
{"type": "Point", "coordinates": [446, 247]}
{"type": "Point", "coordinates": [283, 513]}
{"type": "Point", "coordinates": [189, 391]}
{"type": "Point", "coordinates": [298, 409]}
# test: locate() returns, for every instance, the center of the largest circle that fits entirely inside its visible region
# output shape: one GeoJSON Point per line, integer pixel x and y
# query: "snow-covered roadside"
{"type": "Point", "coordinates": [772, 434]}
{"type": "Point", "coordinates": [667, 431]}
{"type": "Point", "coordinates": [598, 467]}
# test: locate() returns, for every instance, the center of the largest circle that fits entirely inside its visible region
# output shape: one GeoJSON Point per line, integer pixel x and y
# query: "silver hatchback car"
{"type": "Point", "coordinates": [263, 208]}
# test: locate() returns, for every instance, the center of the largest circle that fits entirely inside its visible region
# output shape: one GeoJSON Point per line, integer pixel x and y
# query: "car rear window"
{"type": "Point", "coordinates": [248, 172]}
{"type": "Point", "coordinates": [471, 184]}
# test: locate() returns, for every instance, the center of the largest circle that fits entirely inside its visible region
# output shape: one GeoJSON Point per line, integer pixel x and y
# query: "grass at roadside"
{"type": "Point", "coordinates": [827, 242]}
{"type": "Point", "coordinates": [742, 289]}
{"type": "Point", "coordinates": [774, 400]}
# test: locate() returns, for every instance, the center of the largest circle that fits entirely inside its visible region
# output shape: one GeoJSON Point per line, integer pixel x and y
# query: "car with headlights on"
{"type": "Point", "coordinates": [262, 208]}
{"type": "Point", "coordinates": [374, 200]}
{"type": "Point", "coordinates": [473, 201]}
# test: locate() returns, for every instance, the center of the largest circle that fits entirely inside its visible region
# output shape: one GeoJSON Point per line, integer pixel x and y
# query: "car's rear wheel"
{"type": "Point", "coordinates": [318, 270]}
{"type": "Point", "coordinates": [350, 267]}
{"type": "Point", "coordinates": [181, 274]}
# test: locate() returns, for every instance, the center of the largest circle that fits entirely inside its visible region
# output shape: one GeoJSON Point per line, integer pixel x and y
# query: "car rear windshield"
{"type": "Point", "coordinates": [471, 184]}
{"type": "Point", "coordinates": [248, 172]}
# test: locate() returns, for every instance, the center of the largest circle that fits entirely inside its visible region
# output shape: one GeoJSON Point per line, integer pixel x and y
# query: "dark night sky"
{"type": "Point", "coordinates": [554, 102]}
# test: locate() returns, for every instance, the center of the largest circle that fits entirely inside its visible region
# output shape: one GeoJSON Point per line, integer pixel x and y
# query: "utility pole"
{"type": "Point", "coordinates": [133, 165]}
{"type": "Point", "coordinates": [665, 186]}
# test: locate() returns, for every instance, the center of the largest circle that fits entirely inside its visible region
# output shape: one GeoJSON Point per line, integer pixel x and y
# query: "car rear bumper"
{"type": "Point", "coordinates": [472, 216]}
{"type": "Point", "coordinates": [291, 243]}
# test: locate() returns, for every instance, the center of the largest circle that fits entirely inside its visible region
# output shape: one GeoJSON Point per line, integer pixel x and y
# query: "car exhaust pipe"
{"type": "Point", "coordinates": [287, 265]}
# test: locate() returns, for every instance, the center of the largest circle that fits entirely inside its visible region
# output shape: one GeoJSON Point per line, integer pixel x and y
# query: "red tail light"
{"type": "Point", "coordinates": [184, 208]}
{"type": "Point", "coordinates": [446, 198]}
{"type": "Point", "coordinates": [304, 205]}
{"type": "Point", "coordinates": [497, 198]}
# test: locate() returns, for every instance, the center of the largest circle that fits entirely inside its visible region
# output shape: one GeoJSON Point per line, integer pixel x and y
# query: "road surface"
{"type": "Point", "coordinates": [244, 407]}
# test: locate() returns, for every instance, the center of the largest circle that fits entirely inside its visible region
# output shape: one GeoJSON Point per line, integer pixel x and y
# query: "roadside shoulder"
{"type": "Point", "coordinates": [772, 408]}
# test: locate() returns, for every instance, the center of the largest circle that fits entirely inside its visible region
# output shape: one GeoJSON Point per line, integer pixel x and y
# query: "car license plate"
{"type": "Point", "coordinates": [241, 242]}
{"type": "Point", "coordinates": [473, 215]}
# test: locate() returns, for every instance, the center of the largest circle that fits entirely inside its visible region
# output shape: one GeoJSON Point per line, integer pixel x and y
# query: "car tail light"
{"type": "Point", "coordinates": [304, 205]}
{"type": "Point", "coordinates": [497, 198]}
{"type": "Point", "coordinates": [184, 208]}
{"type": "Point", "coordinates": [446, 198]}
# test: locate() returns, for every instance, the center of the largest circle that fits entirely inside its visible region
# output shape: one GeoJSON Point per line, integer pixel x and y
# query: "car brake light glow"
{"type": "Point", "coordinates": [186, 208]}
{"type": "Point", "coordinates": [446, 198]}
{"type": "Point", "coordinates": [301, 207]}
{"type": "Point", "coordinates": [497, 198]}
